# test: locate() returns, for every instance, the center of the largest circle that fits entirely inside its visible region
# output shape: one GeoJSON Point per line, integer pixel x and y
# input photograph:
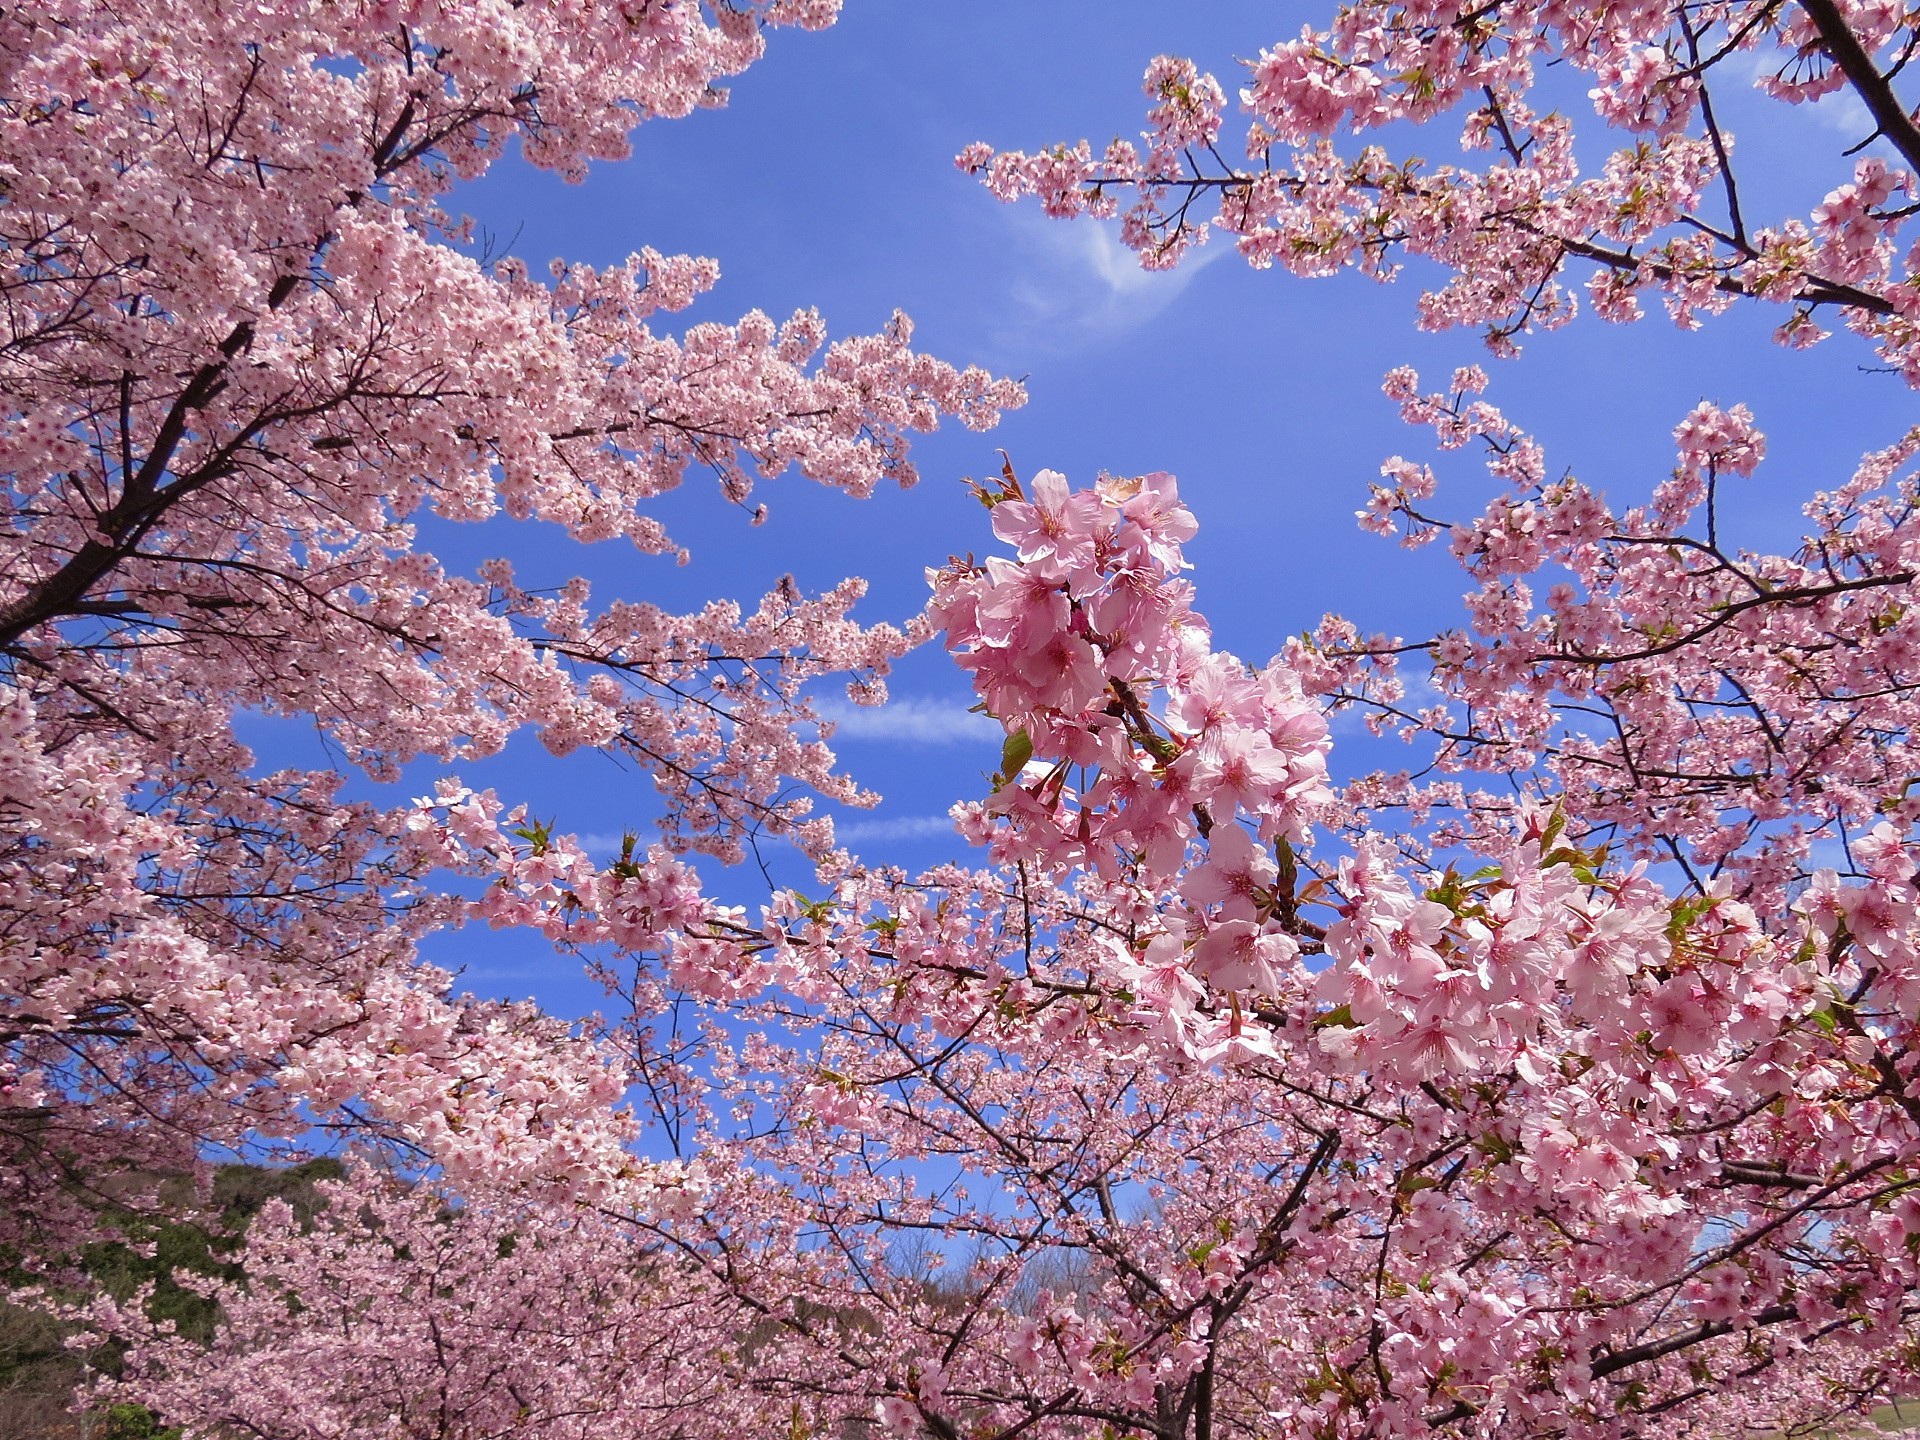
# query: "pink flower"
{"type": "Point", "coordinates": [1054, 525]}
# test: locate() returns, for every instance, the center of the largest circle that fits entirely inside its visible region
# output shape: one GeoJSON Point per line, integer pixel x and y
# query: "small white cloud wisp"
{"type": "Point", "coordinates": [1074, 284]}
{"type": "Point", "coordinates": [892, 827]}
{"type": "Point", "coordinates": [910, 720]}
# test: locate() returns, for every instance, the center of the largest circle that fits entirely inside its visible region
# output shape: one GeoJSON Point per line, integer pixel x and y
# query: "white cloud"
{"type": "Point", "coordinates": [892, 827]}
{"type": "Point", "coordinates": [910, 720]}
{"type": "Point", "coordinates": [595, 842]}
{"type": "Point", "coordinates": [1421, 694]}
{"type": "Point", "coordinates": [1843, 112]}
{"type": "Point", "coordinates": [1076, 285]}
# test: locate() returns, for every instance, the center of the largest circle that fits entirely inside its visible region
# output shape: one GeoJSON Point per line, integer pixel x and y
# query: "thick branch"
{"type": "Point", "coordinates": [1839, 41]}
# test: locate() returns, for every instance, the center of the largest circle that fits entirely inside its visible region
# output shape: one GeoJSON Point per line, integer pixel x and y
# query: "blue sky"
{"type": "Point", "coordinates": [828, 181]}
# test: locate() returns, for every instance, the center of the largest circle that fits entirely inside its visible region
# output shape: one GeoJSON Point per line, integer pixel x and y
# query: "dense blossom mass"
{"type": "Point", "coordinates": [242, 361]}
{"type": "Point", "coordinates": [1565, 1086]}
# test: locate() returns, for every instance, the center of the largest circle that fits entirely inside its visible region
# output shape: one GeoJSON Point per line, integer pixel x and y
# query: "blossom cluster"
{"type": "Point", "coordinates": [1661, 216]}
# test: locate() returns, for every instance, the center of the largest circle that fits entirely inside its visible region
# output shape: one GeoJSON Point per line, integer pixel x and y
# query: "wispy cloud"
{"type": "Point", "coordinates": [1846, 113]}
{"type": "Point", "coordinates": [1075, 285]}
{"type": "Point", "coordinates": [1350, 721]}
{"type": "Point", "coordinates": [892, 827]}
{"type": "Point", "coordinates": [1842, 112]}
{"type": "Point", "coordinates": [596, 842]}
{"type": "Point", "coordinates": [910, 720]}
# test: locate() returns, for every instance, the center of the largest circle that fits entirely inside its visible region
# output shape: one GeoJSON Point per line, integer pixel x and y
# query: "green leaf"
{"type": "Point", "coordinates": [1556, 825]}
{"type": "Point", "coordinates": [538, 834]}
{"type": "Point", "coordinates": [1015, 753]}
{"type": "Point", "coordinates": [1684, 913]}
{"type": "Point", "coordinates": [820, 911]}
{"type": "Point", "coordinates": [1495, 1146]}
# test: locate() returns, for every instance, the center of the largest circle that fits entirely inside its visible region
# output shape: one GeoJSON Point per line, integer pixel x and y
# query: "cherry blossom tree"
{"type": "Point", "coordinates": [1676, 692]}
{"type": "Point", "coordinates": [245, 356]}
{"type": "Point", "coordinates": [1546, 1147]}
{"type": "Point", "coordinates": [1221, 1096]}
